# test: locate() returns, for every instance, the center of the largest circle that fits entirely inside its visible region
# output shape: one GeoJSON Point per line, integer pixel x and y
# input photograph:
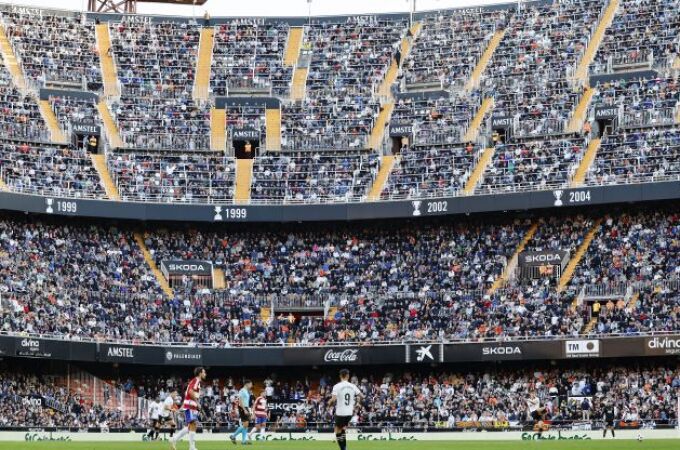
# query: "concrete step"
{"type": "Point", "coordinates": [203, 65]}
{"type": "Point", "coordinates": [110, 126]}
{"type": "Point", "coordinates": [575, 259]}
{"type": "Point", "coordinates": [218, 129]}
{"type": "Point", "coordinates": [293, 45]}
{"type": "Point", "coordinates": [586, 162]}
{"type": "Point", "coordinates": [56, 133]}
{"type": "Point", "coordinates": [512, 262]}
{"type": "Point", "coordinates": [580, 113]}
{"type": "Point", "coordinates": [99, 163]}
{"type": "Point", "coordinates": [11, 62]}
{"type": "Point", "coordinates": [273, 124]}
{"type": "Point", "coordinates": [379, 126]}
{"type": "Point", "coordinates": [108, 65]}
{"type": "Point", "coordinates": [219, 282]}
{"type": "Point", "coordinates": [478, 172]}
{"type": "Point", "coordinates": [299, 89]}
{"type": "Point", "coordinates": [581, 74]}
{"type": "Point", "coordinates": [244, 180]}
{"type": "Point", "coordinates": [475, 127]}
{"type": "Point", "coordinates": [483, 62]}
{"type": "Point", "coordinates": [386, 165]}
{"type": "Point", "coordinates": [163, 283]}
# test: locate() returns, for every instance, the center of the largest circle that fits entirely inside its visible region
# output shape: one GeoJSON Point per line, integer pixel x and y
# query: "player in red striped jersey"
{"type": "Point", "coordinates": [191, 405]}
{"type": "Point", "coordinates": [261, 416]}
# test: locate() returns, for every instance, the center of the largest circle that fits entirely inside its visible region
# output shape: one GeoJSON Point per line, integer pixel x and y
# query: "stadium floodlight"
{"type": "Point", "coordinates": [130, 6]}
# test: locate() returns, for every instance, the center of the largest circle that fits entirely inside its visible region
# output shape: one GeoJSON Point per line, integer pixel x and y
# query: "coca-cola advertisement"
{"type": "Point", "coordinates": [341, 356]}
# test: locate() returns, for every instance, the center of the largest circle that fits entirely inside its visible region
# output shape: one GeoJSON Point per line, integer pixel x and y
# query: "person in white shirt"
{"type": "Point", "coordinates": [154, 411]}
{"type": "Point", "coordinates": [344, 398]}
{"type": "Point", "coordinates": [167, 416]}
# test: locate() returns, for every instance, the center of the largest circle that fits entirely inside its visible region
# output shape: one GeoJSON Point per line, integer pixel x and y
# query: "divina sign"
{"type": "Point", "coordinates": [669, 345]}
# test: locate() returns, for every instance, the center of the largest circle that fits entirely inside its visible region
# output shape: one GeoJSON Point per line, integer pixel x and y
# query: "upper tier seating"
{"type": "Point", "coordinates": [156, 64]}
{"type": "Point", "coordinates": [642, 33]}
{"type": "Point", "coordinates": [55, 48]}
{"type": "Point", "coordinates": [248, 56]}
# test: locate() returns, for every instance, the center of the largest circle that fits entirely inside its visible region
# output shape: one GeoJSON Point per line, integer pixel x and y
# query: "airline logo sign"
{"type": "Point", "coordinates": [582, 349]}
{"type": "Point", "coordinates": [667, 345]}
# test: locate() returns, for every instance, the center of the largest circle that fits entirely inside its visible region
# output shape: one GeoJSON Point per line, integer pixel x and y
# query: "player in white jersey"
{"type": "Point", "coordinates": [537, 412]}
{"type": "Point", "coordinates": [344, 398]}
{"type": "Point", "coordinates": [154, 411]}
{"type": "Point", "coordinates": [168, 409]}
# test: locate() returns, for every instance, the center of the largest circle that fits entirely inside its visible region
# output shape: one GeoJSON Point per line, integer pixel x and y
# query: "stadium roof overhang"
{"type": "Point", "coordinates": [130, 6]}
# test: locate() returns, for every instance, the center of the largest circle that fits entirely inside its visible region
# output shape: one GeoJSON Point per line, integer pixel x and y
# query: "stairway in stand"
{"type": "Point", "coordinates": [108, 66]}
{"type": "Point", "coordinates": [99, 163]}
{"type": "Point", "coordinates": [162, 282]}
{"type": "Point", "coordinates": [203, 65]}
{"type": "Point", "coordinates": [56, 133]}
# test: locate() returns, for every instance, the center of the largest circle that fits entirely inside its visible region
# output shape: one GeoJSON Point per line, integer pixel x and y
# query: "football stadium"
{"type": "Point", "coordinates": [406, 225]}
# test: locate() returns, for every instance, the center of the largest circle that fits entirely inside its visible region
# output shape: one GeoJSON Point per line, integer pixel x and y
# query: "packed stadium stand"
{"type": "Point", "coordinates": [452, 203]}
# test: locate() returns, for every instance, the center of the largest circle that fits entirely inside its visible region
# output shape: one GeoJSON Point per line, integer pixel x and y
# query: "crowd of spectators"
{"type": "Point", "coordinates": [431, 171]}
{"type": "Point", "coordinates": [156, 67]}
{"type": "Point", "coordinates": [449, 45]}
{"type": "Point", "coordinates": [314, 176]}
{"type": "Point", "coordinates": [637, 156]}
{"type": "Point", "coordinates": [529, 74]}
{"type": "Point", "coordinates": [533, 164]}
{"type": "Point", "coordinates": [19, 114]}
{"type": "Point", "coordinates": [166, 177]}
{"type": "Point", "coordinates": [46, 169]}
{"type": "Point", "coordinates": [348, 62]}
{"type": "Point", "coordinates": [69, 110]}
{"type": "Point", "coordinates": [642, 32]}
{"type": "Point", "coordinates": [55, 48]}
{"type": "Point", "coordinates": [436, 120]}
{"type": "Point", "coordinates": [34, 400]}
{"type": "Point", "coordinates": [491, 398]}
{"type": "Point", "coordinates": [249, 56]}
{"type": "Point", "coordinates": [385, 282]}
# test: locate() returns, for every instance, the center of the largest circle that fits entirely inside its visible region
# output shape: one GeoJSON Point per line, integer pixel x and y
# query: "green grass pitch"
{"type": "Point", "coordinates": [666, 444]}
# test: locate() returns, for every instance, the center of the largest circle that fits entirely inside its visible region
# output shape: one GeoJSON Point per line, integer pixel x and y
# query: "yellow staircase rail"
{"type": "Point", "coordinates": [376, 137]}
{"type": "Point", "coordinates": [265, 314]}
{"type": "Point", "coordinates": [299, 89]}
{"type": "Point", "coordinates": [218, 129]}
{"type": "Point", "coordinates": [478, 172]}
{"type": "Point", "coordinates": [589, 326]}
{"type": "Point", "coordinates": [293, 45]}
{"type": "Point", "coordinates": [108, 66]}
{"type": "Point", "coordinates": [581, 73]}
{"type": "Point", "coordinates": [575, 259]}
{"type": "Point", "coordinates": [219, 282]}
{"type": "Point", "coordinates": [478, 120]}
{"type": "Point", "coordinates": [99, 163]}
{"type": "Point", "coordinates": [677, 116]}
{"type": "Point", "coordinates": [386, 165]}
{"type": "Point", "coordinates": [11, 62]}
{"type": "Point", "coordinates": [580, 113]}
{"type": "Point", "coordinates": [244, 180]}
{"type": "Point", "coordinates": [479, 69]}
{"type": "Point", "coordinates": [203, 65]}
{"type": "Point", "coordinates": [586, 162]}
{"type": "Point", "coordinates": [512, 262]}
{"type": "Point", "coordinates": [331, 312]}
{"type": "Point", "coordinates": [272, 119]}
{"type": "Point", "coordinates": [162, 282]}
{"type": "Point", "coordinates": [110, 125]}
{"type": "Point", "coordinates": [3, 186]}
{"type": "Point", "coordinates": [385, 89]}
{"type": "Point", "coordinates": [56, 133]}
{"type": "Point", "coordinates": [633, 301]}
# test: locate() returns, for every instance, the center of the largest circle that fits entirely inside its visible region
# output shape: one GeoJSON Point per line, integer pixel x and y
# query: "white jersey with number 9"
{"type": "Point", "coordinates": [346, 394]}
